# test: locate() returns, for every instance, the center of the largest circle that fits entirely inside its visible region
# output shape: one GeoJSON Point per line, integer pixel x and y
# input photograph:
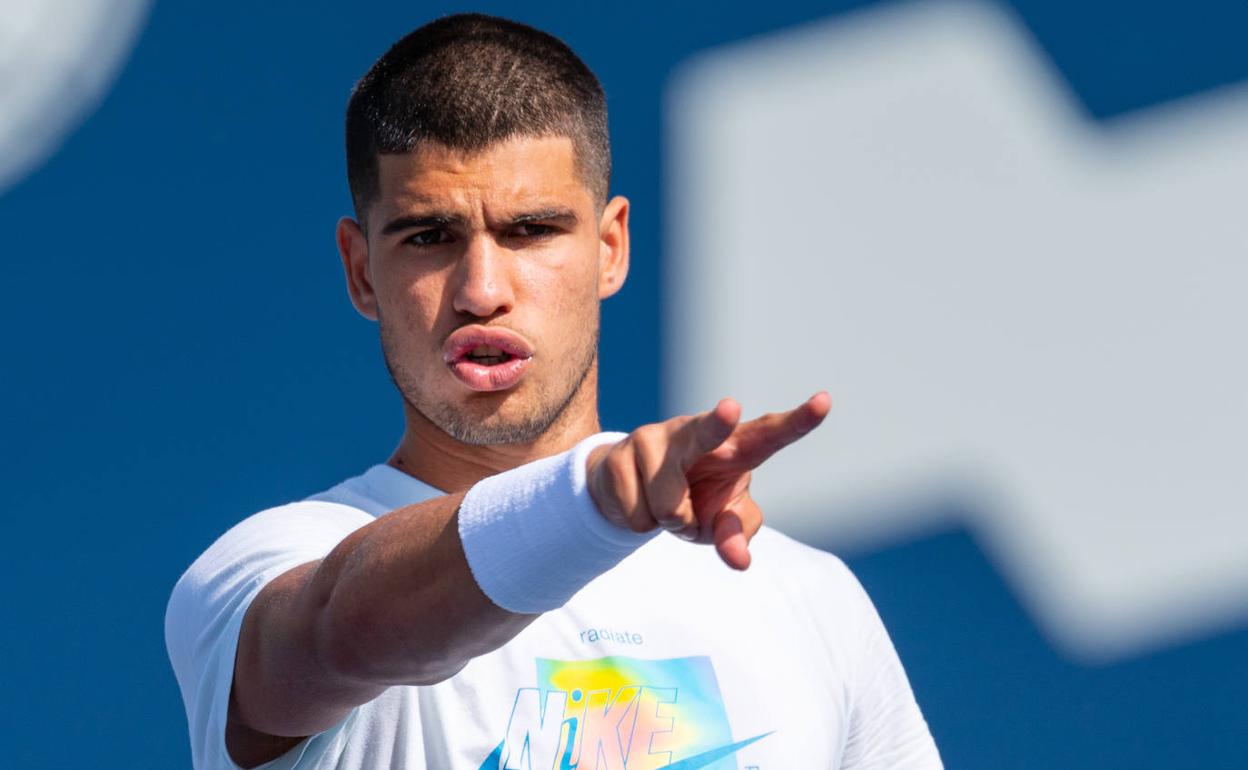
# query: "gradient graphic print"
{"type": "Point", "coordinates": [619, 713]}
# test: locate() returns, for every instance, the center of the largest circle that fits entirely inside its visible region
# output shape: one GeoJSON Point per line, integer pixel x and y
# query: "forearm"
{"type": "Point", "coordinates": [396, 602]}
{"type": "Point", "coordinates": [393, 603]}
{"type": "Point", "coordinates": [412, 597]}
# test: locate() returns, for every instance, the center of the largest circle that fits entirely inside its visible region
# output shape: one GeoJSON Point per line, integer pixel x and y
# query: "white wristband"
{"type": "Point", "coordinates": [534, 537]}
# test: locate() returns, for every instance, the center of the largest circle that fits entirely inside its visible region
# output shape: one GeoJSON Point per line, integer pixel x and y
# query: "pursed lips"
{"type": "Point", "coordinates": [487, 359]}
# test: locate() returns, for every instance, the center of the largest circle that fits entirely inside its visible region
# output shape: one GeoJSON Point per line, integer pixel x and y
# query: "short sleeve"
{"type": "Point", "coordinates": [206, 609]}
{"type": "Point", "coordinates": [886, 728]}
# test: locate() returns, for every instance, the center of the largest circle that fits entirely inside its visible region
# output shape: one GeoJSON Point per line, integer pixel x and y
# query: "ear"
{"type": "Point", "coordinates": [613, 247]}
{"type": "Point", "coordinates": [353, 248]}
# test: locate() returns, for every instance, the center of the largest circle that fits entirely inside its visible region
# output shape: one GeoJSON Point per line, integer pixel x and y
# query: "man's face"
{"type": "Point", "coordinates": [485, 272]}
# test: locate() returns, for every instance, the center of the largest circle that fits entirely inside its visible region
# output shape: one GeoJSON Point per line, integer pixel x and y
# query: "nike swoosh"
{"type": "Point", "coordinates": [707, 757]}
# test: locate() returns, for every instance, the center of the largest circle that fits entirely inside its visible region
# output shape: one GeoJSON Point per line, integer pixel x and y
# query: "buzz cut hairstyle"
{"type": "Point", "coordinates": [466, 82]}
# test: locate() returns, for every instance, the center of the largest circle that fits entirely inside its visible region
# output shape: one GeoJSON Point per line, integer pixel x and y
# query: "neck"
{"type": "Point", "coordinates": [431, 455]}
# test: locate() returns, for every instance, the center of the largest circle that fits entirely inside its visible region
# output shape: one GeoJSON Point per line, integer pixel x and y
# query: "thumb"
{"type": "Point", "coordinates": [731, 540]}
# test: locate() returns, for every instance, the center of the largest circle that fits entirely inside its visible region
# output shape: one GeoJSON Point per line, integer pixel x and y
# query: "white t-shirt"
{"type": "Point", "coordinates": [671, 659]}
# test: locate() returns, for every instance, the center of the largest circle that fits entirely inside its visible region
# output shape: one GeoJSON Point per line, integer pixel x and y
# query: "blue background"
{"type": "Point", "coordinates": [179, 352]}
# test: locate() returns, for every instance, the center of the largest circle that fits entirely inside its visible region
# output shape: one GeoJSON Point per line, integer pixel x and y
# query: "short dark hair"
{"type": "Point", "coordinates": [467, 81]}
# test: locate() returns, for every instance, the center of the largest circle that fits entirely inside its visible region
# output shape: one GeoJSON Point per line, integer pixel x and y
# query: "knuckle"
{"type": "Point", "coordinates": [619, 472]}
{"type": "Point", "coordinates": [650, 454]}
{"type": "Point", "coordinates": [647, 434]}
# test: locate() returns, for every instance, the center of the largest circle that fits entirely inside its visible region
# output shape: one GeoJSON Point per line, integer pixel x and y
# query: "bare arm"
{"type": "Point", "coordinates": [394, 603]}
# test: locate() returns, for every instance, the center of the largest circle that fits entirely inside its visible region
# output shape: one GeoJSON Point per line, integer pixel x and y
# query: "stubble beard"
{"type": "Point", "coordinates": [545, 409]}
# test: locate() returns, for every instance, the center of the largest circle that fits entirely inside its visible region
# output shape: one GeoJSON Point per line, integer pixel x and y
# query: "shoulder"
{"type": "Point", "coordinates": [275, 534]}
{"type": "Point", "coordinates": [258, 548]}
{"type": "Point", "coordinates": [299, 527]}
{"type": "Point", "coordinates": [208, 603]}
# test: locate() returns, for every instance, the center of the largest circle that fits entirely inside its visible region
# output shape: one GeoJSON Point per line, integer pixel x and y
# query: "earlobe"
{"type": "Point", "coordinates": [613, 247]}
{"type": "Point", "coordinates": [353, 248]}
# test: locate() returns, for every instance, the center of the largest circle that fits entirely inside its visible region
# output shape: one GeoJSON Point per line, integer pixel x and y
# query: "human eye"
{"type": "Point", "coordinates": [432, 237]}
{"type": "Point", "coordinates": [534, 230]}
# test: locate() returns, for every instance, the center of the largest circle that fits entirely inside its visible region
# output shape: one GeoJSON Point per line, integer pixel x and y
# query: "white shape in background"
{"type": "Point", "coordinates": [1011, 305]}
{"type": "Point", "coordinates": [57, 60]}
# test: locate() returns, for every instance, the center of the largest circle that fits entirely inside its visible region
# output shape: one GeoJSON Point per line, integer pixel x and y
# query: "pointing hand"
{"type": "Point", "coordinates": [691, 474]}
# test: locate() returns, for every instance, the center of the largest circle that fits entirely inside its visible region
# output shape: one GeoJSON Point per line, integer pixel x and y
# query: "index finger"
{"type": "Point", "coordinates": [760, 438]}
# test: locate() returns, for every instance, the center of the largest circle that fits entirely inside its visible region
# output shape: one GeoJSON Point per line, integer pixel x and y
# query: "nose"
{"type": "Point", "coordinates": [483, 279]}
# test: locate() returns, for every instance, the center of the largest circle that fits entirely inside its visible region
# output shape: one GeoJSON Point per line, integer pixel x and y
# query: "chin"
{"type": "Point", "coordinates": [493, 431]}
{"type": "Point", "coordinates": [497, 417]}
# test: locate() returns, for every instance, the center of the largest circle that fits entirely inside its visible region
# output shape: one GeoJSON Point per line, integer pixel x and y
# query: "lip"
{"type": "Point", "coordinates": [482, 377]}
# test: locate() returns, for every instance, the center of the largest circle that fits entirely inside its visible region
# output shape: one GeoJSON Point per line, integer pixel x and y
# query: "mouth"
{"type": "Point", "coordinates": [487, 359]}
{"type": "Point", "coordinates": [488, 355]}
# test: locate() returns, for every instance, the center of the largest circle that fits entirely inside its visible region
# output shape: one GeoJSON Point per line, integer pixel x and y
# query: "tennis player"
{"type": "Point", "coordinates": [513, 587]}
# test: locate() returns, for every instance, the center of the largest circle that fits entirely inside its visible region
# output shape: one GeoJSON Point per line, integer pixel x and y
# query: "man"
{"type": "Point", "coordinates": [496, 594]}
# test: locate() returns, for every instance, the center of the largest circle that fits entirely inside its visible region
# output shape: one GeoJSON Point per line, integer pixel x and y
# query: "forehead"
{"type": "Point", "coordinates": [512, 174]}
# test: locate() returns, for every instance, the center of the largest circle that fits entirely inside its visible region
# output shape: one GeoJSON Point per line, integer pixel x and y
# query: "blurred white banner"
{"type": "Point", "coordinates": [1013, 307]}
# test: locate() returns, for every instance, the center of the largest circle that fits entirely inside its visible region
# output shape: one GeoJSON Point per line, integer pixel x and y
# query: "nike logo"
{"type": "Point", "coordinates": [689, 763]}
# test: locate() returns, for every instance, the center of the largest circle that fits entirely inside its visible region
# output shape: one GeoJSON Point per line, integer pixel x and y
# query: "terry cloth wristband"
{"type": "Point", "coordinates": [534, 537]}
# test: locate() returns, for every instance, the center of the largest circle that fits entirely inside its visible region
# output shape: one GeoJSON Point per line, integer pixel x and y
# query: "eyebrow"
{"type": "Point", "coordinates": [546, 215]}
{"type": "Point", "coordinates": [411, 222]}
{"type": "Point", "coordinates": [414, 221]}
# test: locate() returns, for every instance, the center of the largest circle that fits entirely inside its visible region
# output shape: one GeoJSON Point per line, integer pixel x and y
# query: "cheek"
{"type": "Point", "coordinates": [565, 304]}
{"type": "Point", "coordinates": [410, 312]}
{"type": "Point", "coordinates": [420, 304]}
{"type": "Point", "coordinates": [571, 324]}
{"type": "Point", "coordinates": [568, 282]}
